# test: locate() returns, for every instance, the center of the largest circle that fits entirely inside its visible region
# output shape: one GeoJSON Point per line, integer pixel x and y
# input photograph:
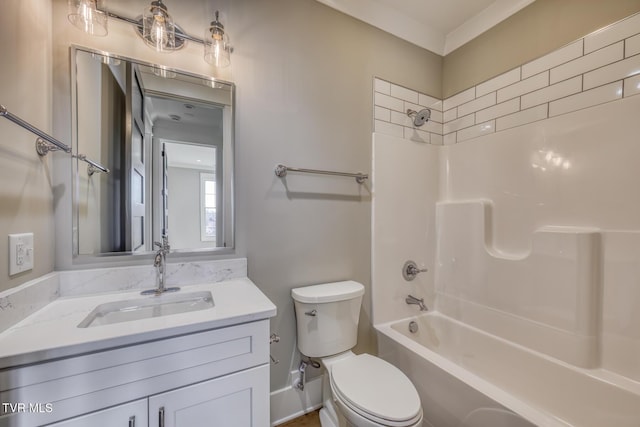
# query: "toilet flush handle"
{"type": "Point", "coordinates": [312, 313]}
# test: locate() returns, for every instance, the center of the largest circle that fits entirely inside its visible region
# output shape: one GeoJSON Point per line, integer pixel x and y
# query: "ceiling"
{"type": "Point", "coordinates": [440, 26]}
{"type": "Point", "coordinates": [186, 113]}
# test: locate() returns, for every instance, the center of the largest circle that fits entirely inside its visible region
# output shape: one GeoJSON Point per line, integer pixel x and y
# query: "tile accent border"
{"type": "Point", "coordinates": [391, 103]}
{"type": "Point", "coordinates": [601, 67]}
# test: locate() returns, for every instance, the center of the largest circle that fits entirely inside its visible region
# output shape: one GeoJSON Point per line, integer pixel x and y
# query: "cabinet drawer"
{"type": "Point", "coordinates": [86, 383]}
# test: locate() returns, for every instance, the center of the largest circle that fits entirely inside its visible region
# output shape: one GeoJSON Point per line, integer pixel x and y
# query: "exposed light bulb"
{"type": "Point", "coordinates": [158, 27]}
{"type": "Point", "coordinates": [159, 31]}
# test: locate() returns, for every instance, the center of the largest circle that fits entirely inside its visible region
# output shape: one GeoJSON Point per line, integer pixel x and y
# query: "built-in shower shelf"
{"type": "Point", "coordinates": [546, 299]}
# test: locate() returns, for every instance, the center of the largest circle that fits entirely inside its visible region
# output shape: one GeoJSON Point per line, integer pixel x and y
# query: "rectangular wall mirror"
{"type": "Point", "coordinates": [166, 137]}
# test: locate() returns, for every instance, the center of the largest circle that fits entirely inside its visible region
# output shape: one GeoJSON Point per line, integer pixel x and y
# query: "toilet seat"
{"type": "Point", "coordinates": [376, 390]}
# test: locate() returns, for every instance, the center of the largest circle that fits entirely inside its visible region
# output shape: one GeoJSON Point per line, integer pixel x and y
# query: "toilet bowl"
{"type": "Point", "coordinates": [358, 390]}
{"type": "Point", "coordinates": [371, 392]}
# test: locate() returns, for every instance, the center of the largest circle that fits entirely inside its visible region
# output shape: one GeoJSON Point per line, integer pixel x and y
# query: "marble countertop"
{"type": "Point", "coordinates": [53, 332]}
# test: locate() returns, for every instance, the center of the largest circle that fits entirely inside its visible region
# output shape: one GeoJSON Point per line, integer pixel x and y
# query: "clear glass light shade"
{"type": "Point", "coordinates": [212, 83]}
{"type": "Point", "coordinates": [106, 59]}
{"type": "Point", "coordinates": [85, 15]}
{"type": "Point", "coordinates": [164, 72]}
{"type": "Point", "coordinates": [217, 50]}
{"type": "Point", "coordinates": [158, 28]}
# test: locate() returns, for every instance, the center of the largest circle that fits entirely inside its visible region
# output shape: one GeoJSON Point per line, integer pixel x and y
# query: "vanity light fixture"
{"type": "Point", "coordinates": [217, 50]}
{"type": "Point", "coordinates": [85, 15]}
{"type": "Point", "coordinates": [156, 27]}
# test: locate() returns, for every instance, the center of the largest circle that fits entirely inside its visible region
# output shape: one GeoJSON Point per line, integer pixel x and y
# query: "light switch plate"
{"type": "Point", "coordinates": [20, 253]}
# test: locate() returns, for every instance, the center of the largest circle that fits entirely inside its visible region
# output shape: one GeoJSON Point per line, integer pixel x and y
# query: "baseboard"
{"type": "Point", "coordinates": [289, 403]}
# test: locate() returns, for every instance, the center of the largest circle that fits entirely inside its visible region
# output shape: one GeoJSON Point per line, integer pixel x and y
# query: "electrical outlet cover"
{"type": "Point", "coordinates": [20, 253]}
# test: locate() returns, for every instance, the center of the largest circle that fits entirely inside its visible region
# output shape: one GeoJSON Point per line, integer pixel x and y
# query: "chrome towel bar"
{"type": "Point", "coordinates": [46, 142]}
{"type": "Point", "coordinates": [93, 166]}
{"type": "Point", "coordinates": [17, 120]}
{"type": "Point", "coordinates": [281, 171]}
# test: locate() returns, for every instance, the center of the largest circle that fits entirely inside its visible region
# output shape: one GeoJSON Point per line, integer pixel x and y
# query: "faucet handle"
{"type": "Point", "coordinates": [164, 245]}
{"type": "Point", "coordinates": [410, 270]}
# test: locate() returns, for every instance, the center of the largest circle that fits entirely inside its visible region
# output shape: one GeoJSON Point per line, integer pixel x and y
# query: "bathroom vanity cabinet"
{"type": "Point", "coordinates": [132, 414]}
{"type": "Point", "coordinates": [213, 377]}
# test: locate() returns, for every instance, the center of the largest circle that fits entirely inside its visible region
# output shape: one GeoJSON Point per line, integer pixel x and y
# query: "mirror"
{"type": "Point", "coordinates": [166, 138]}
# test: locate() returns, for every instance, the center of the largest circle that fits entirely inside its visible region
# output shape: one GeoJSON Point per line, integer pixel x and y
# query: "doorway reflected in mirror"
{"type": "Point", "coordinates": [168, 139]}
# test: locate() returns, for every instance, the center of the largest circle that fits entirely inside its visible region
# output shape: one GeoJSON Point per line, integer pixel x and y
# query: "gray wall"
{"type": "Point", "coordinates": [26, 194]}
{"type": "Point", "coordinates": [304, 76]}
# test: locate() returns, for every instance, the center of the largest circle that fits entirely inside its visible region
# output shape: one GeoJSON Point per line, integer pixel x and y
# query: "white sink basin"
{"type": "Point", "coordinates": [147, 307]}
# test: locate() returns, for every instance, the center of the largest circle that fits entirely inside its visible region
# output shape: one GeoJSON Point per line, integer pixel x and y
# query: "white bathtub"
{"type": "Point", "coordinates": [469, 378]}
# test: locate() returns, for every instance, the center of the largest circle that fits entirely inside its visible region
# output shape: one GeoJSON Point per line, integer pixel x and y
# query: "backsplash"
{"type": "Point", "coordinates": [22, 301]}
{"type": "Point", "coordinates": [601, 67]}
{"type": "Point", "coordinates": [82, 282]}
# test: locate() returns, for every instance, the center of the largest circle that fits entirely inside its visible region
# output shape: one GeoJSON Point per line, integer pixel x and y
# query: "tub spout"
{"type": "Point", "coordinates": [417, 301]}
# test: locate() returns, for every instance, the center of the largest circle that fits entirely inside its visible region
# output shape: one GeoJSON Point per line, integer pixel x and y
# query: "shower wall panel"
{"type": "Point", "coordinates": [574, 170]}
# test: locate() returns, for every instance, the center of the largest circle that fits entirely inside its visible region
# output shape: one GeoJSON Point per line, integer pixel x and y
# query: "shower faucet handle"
{"type": "Point", "coordinates": [410, 270]}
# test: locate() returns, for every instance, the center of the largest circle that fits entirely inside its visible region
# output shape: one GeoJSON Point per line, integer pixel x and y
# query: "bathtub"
{"type": "Point", "coordinates": [468, 378]}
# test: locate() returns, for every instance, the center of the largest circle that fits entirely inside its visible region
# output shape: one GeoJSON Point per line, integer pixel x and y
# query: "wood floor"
{"type": "Point", "coordinates": [311, 419]}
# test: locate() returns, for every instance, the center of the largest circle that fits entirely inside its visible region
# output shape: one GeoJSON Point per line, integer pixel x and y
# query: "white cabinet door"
{"type": "Point", "coordinates": [236, 400]}
{"type": "Point", "coordinates": [132, 414]}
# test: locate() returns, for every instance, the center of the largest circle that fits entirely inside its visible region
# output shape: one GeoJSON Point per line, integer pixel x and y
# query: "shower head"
{"type": "Point", "coordinates": [419, 117]}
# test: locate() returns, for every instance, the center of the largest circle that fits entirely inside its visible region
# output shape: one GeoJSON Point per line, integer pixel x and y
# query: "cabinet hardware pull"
{"type": "Point", "coordinates": [161, 415]}
{"type": "Point", "coordinates": [132, 421]}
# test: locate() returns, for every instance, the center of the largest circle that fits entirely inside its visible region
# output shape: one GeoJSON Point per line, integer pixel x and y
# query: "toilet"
{"type": "Point", "coordinates": [358, 390]}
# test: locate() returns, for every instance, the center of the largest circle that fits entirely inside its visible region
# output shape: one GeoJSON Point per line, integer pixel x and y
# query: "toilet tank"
{"type": "Point", "coordinates": [327, 317]}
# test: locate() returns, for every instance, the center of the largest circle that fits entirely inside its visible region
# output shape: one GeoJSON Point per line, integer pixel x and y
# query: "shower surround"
{"type": "Point", "coordinates": [521, 199]}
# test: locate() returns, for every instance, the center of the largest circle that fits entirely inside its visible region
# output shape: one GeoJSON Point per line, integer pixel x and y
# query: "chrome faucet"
{"type": "Point", "coordinates": [160, 263]}
{"type": "Point", "coordinates": [417, 301]}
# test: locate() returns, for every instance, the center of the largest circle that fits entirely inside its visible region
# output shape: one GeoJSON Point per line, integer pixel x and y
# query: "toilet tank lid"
{"type": "Point", "coordinates": [328, 292]}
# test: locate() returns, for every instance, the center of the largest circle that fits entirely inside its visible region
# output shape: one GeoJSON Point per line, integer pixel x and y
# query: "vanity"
{"type": "Point", "coordinates": [97, 352]}
{"type": "Point", "coordinates": [153, 156]}
{"type": "Point", "coordinates": [208, 366]}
